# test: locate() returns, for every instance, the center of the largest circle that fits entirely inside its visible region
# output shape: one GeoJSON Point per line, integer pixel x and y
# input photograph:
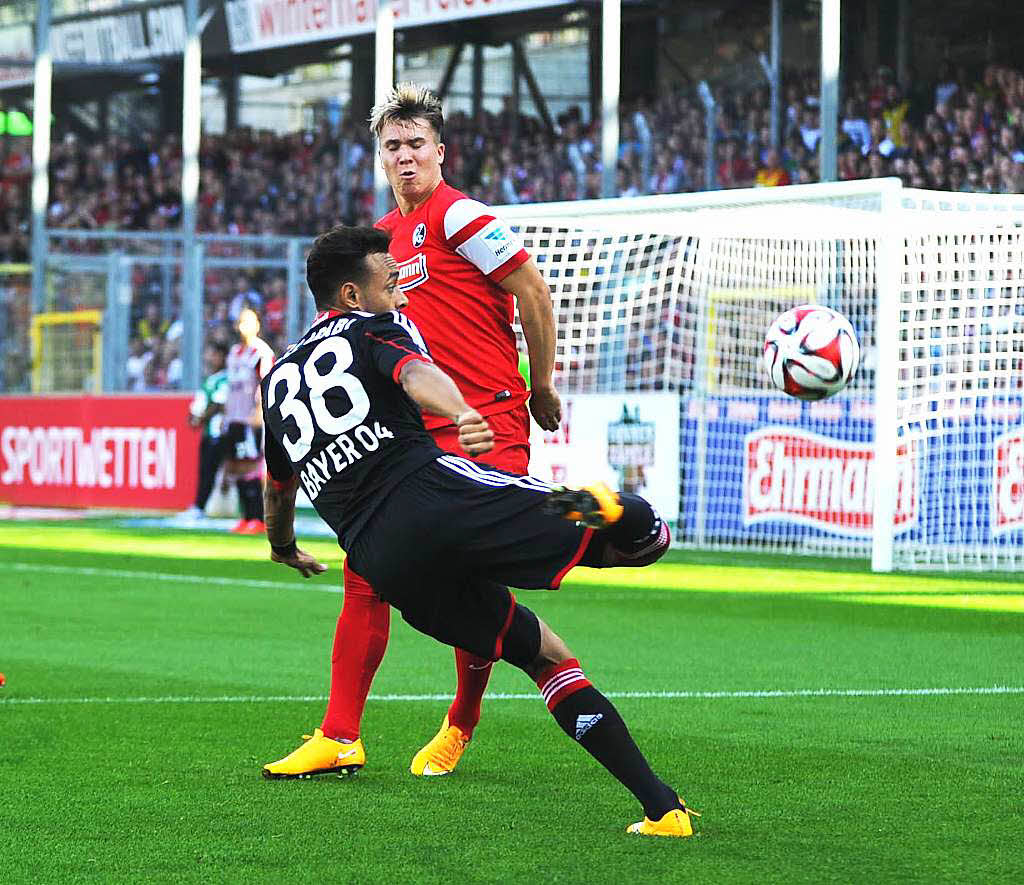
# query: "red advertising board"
{"type": "Point", "coordinates": [129, 452]}
{"type": "Point", "coordinates": [792, 475]}
{"type": "Point", "coordinates": [1008, 490]}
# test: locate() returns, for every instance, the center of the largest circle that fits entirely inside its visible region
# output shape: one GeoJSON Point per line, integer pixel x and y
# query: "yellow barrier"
{"type": "Point", "coordinates": [75, 366]}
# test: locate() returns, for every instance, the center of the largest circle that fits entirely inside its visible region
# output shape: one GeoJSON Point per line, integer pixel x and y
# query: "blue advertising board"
{"type": "Point", "coordinates": [780, 469]}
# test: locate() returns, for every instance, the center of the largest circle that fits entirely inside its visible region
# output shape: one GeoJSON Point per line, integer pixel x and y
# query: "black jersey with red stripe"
{"type": "Point", "coordinates": [338, 419]}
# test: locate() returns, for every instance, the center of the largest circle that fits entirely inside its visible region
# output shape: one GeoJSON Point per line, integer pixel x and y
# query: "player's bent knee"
{"type": "Point", "coordinates": [522, 642]}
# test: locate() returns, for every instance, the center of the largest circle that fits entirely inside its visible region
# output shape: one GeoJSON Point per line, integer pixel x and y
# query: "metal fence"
{"type": "Point", "coordinates": [150, 331]}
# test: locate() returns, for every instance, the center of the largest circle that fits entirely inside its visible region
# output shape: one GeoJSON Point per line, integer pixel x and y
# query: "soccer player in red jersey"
{"type": "Point", "coordinates": [460, 267]}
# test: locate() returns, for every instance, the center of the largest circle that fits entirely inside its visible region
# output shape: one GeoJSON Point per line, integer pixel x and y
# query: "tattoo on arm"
{"type": "Point", "coordinates": [279, 507]}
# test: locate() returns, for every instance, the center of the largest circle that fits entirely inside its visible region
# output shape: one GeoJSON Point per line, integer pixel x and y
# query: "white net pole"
{"type": "Point", "coordinates": [887, 324]}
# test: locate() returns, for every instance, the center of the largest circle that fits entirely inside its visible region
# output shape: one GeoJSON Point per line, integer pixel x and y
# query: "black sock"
{"type": "Point", "coordinates": [592, 721]}
{"type": "Point", "coordinates": [250, 498]}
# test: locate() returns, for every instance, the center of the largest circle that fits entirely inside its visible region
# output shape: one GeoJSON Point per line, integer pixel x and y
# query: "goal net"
{"type": "Point", "coordinates": [919, 463]}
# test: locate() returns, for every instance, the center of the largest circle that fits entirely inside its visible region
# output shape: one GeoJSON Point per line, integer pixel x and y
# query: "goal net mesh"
{"type": "Point", "coordinates": [679, 301]}
{"type": "Point", "coordinates": [960, 384]}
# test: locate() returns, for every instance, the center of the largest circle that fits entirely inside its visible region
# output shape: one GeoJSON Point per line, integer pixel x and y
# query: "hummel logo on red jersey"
{"type": "Point", "coordinates": [585, 723]}
{"type": "Point", "coordinates": [413, 272]}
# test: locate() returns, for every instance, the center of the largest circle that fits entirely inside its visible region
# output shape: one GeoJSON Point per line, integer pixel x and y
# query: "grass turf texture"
{"type": "Point", "coordinates": [811, 789]}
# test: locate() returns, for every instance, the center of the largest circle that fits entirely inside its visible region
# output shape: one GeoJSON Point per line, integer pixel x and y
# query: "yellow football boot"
{"type": "Point", "coordinates": [318, 755]}
{"type": "Point", "coordinates": [594, 505]}
{"type": "Point", "coordinates": [674, 823]}
{"type": "Point", "coordinates": [442, 753]}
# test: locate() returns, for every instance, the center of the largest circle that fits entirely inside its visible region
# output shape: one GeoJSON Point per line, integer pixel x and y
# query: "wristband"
{"type": "Point", "coordinates": [286, 550]}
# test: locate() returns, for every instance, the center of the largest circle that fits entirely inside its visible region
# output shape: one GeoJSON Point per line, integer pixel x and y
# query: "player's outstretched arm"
{"type": "Point", "coordinates": [538, 321]}
{"type": "Point", "coordinates": [279, 515]}
{"type": "Point", "coordinates": [433, 391]}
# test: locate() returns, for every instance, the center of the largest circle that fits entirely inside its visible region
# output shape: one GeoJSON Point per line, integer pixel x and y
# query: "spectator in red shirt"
{"type": "Point", "coordinates": [734, 170]}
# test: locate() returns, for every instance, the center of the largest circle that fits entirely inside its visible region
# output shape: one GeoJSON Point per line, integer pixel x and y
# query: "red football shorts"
{"type": "Point", "coordinates": [511, 451]}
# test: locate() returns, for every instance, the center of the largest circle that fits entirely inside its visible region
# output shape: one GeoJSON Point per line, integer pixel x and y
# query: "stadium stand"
{"type": "Point", "coordinates": [957, 133]}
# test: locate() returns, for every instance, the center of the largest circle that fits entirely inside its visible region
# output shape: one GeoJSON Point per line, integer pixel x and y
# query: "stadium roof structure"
{"type": "Point", "coordinates": [104, 47]}
{"type": "Point", "coordinates": [154, 32]}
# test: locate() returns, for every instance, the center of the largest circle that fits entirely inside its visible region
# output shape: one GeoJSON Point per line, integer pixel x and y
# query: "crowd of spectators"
{"type": "Point", "coordinates": [960, 132]}
{"type": "Point", "coordinates": [155, 337]}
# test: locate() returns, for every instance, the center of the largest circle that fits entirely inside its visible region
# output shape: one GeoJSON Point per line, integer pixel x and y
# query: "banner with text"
{"type": "Point", "coordinates": [17, 45]}
{"type": "Point", "coordinates": [133, 452]}
{"type": "Point", "coordinates": [629, 441]}
{"type": "Point", "coordinates": [264, 24]}
{"type": "Point", "coordinates": [123, 36]}
{"type": "Point", "coordinates": [778, 468]}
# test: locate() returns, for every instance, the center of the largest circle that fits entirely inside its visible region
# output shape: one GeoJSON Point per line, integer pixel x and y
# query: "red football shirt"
{"type": "Point", "coordinates": [452, 252]}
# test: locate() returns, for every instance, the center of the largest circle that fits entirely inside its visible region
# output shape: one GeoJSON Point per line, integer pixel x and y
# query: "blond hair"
{"type": "Point", "coordinates": [405, 103]}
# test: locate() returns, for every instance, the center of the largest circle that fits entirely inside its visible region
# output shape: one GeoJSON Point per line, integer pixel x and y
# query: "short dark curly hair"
{"type": "Point", "coordinates": [338, 256]}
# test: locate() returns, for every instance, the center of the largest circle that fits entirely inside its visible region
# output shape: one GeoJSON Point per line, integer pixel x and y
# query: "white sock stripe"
{"type": "Point", "coordinates": [554, 681]}
{"type": "Point", "coordinates": [552, 690]}
{"type": "Point", "coordinates": [560, 681]}
{"type": "Point", "coordinates": [661, 541]}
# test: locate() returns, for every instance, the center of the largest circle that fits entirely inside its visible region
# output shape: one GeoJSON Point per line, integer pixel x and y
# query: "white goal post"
{"type": "Point", "coordinates": [919, 463]}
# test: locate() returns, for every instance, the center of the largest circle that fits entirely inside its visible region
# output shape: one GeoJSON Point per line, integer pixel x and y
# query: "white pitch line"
{"type": "Point", "coordinates": [165, 576]}
{"type": "Point", "coordinates": [642, 695]}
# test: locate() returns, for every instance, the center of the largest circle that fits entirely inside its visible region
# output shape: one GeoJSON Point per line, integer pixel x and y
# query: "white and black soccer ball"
{"type": "Point", "coordinates": [811, 352]}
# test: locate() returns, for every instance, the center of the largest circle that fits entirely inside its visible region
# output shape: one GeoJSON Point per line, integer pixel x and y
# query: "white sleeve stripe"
{"type": "Point", "coordinates": [481, 254]}
{"type": "Point", "coordinates": [490, 247]}
{"type": "Point", "coordinates": [462, 212]}
{"type": "Point", "coordinates": [410, 327]}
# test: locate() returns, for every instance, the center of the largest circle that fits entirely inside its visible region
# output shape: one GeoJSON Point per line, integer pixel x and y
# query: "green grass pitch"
{"type": "Point", "coordinates": [151, 673]}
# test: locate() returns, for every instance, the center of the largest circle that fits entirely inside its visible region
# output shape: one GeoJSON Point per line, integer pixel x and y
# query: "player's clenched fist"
{"type": "Point", "coordinates": [475, 436]}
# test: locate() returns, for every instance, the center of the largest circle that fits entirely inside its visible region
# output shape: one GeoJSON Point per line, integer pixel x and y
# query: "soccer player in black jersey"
{"type": "Point", "coordinates": [438, 536]}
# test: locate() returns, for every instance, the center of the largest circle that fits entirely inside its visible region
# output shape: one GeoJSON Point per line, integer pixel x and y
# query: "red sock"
{"type": "Point", "coordinates": [359, 644]}
{"type": "Point", "coordinates": [473, 673]}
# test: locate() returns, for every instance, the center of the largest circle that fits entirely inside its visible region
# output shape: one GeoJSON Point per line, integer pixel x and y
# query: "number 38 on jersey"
{"type": "Point", "coordinates": [332, 401]}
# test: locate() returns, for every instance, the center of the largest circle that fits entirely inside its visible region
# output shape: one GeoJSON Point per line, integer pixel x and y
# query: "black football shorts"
{"type": "Point", "coordinates": [449, 541]}
{"type": "Point", "coordinates": [242, 442]}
